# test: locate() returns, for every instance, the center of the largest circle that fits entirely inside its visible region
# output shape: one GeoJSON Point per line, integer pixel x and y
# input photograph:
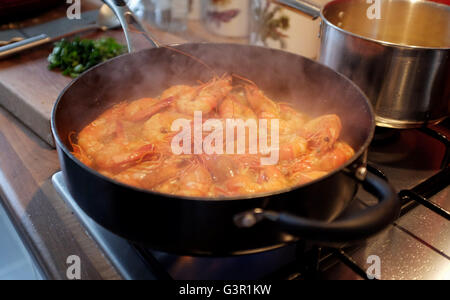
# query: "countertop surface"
{"type": "Point", "coordinates": [45, 223]}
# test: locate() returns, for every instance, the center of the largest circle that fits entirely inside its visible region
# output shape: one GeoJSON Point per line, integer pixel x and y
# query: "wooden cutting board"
{"type": "Point", "coordinates": [29, 90]}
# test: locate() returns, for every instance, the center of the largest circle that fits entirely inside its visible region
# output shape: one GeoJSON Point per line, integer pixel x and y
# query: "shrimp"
{"type": "Point", "coordinates": [158, 129]}
{"type": "Point", "coordinates": [193, 181]}
{"type": "Point", "coordinates": [204, 98]}
{"type": "Point", "coordinates": [151, 174]}
{"type": "Point", "coordinates": [220, 167]}
{"type": "Point", "coordinates": [145, 108]}
{"type": "Point", "coordinates": [196, 182]}
{"type": "Point", "coordinates": [79, 153]}
{"type": "Point", "coordinates": [208, 97]}
{"type": "Point", "coordinates": [322, 133]}
{"type": "Point", "coordinates": [131, 142]}
{"type": "Point", "coordinates": [106, 143]}
{"type": "Point", "coordinates": [93, 138]}
{"type": "Point", "coordinates": [241, 184]}
{"type": "Point", "coordinates": [325, 162]}
{"type": "Point", "coordinates": [315, 167]}
{"type": "Point", "coordinates": [335, 158]}
{"type": "Point", "coordinates": [234, 174]}
{"type": "Point", "coordinates": [256, 180]}
{"type": "Point", "coordinates": [271, 179]}
{"type": "Point", "coordinates": [261, 104]}
{"type": "Point", "coordinates": [118, 156]}
{"type": "Point", "coordinates": [291, 121]}
{"type": "Point", "coordinates": [292, 146]}
{"type": "Point", "coordinates": [183, 93]}
{"type": "Point", "coordinates": [231, 108]}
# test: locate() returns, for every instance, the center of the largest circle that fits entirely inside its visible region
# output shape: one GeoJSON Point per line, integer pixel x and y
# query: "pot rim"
{"type": "Point", "coordinates": [381, 42]}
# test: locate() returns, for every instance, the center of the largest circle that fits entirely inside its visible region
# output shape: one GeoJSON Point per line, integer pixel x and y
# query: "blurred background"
{"type": "Point", "coordinates": [258, 22]}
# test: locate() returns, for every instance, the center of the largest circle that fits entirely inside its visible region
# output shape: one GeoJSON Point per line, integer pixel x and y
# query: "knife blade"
{"type": "Point", "coordinates": [51, 31]}
{"type": "Point", "coordinates": [10, 35]}
{"type": "Point", "coordinates": [62, 27]}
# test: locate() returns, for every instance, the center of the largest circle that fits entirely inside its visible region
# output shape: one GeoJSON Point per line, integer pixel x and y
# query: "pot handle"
{"type": "Point", "coordinates": [309, 8]}
{"type": "Point", "coordinates": [354, 228]}
{"type": "Point", "coordinates": [126, 19]}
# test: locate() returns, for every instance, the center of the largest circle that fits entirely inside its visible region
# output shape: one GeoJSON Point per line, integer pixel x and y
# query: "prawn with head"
{"type": "Point", "coordinates": [104, 142]}
{"type": "Point", "coordinates": [202, 98]}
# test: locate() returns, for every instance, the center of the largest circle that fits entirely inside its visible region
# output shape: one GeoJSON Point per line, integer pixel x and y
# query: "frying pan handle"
{"type": "Point", "coordinates": [126, 19]}
{"type": "Point", "coordinates": [357, 227]}
{"type": "Point", "coordinates": [306, 7]}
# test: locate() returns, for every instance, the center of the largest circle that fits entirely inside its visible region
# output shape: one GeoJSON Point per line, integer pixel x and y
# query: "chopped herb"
{"type": "Point", "coordinates": [75, 57]}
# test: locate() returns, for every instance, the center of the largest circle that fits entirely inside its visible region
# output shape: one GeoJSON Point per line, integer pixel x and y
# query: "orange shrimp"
{"type": "Point", "coordinates": [335, 158]}
{"type": "Point", "coordinates": [264, 107]}
{"type": "Point", "coordinates": [292, 146]}
{"type": "Point", "coordinates": [93, 138]}
{"type": "Point", "coordinates": [204, 98]}
{"type": "Point", "coordinates": [324, 162]}
{"type": "Point", "coordinates": [106, 143]}
{"type": "Point", "coordinates": [131, 143]}
{"type": "Point", "coordinates": [151, 174]}
{"type": "Point", "coordinates": [241, 184]}
{"type": "Point", "coordinates": [231, 108]}
{"type": "Point", "coordinates": [78, 152]}
{"type": "Point", "coordinates": [182, 93]}
{"type": "Point", "coordinates": [271, 179]}
{"type": "Point", "coordinates": [196, 182]}
{"type": "Point", "coordinates": [256, 180]}
{"type": "Point", "coordinates": [144, 108]}
{"type": "Point", "coordinates": [315, 167]}
{"type": "Point", "coordinates": [221, 167]}
{"type": "Point", "coordinates": [291, 121]}
{"type": "Point", "coordinates": [322, 132]}
{"type": "Point", "coordinates": [158, 129]}
{"type": "Point", "coordinates": [118, 156]}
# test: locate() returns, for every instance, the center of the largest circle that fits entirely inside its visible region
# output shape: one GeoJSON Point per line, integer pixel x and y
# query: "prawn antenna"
{"type": "Point", "coordinates": [244, 79]}
{"type": "Point", "coordinates": [192, 57]}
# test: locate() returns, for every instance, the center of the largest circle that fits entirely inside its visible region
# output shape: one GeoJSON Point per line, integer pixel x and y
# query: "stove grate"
{"type": "Point", "coordinates": [414, 197]}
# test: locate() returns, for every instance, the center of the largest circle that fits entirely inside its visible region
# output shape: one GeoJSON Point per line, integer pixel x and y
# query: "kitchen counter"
{"type": "Point", "coordinates": [43, 220]}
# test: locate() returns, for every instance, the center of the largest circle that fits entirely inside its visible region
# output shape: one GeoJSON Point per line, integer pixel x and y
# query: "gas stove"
{"type": "Point", "coordinates": [416, 246]}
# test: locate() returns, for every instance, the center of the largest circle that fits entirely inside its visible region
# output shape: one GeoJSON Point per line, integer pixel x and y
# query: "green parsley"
{"type": "Point", "coordinates": [75, 57]}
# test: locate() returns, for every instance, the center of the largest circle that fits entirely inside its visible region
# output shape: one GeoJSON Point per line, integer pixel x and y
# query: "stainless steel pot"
{"type": "Point", "coordinates": [401, 61]}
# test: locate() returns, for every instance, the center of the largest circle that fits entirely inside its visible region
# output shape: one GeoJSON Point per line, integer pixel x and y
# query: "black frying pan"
{"type": "Point", "coordinates": [195, 226]}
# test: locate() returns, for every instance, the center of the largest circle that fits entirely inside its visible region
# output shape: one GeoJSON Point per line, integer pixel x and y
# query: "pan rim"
{"type": "Point", "coordinates": [278, 193]}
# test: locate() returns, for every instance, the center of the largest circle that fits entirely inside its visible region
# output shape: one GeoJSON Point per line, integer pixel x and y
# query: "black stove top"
{"type": "Point", "coordinates": [416, 246]}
